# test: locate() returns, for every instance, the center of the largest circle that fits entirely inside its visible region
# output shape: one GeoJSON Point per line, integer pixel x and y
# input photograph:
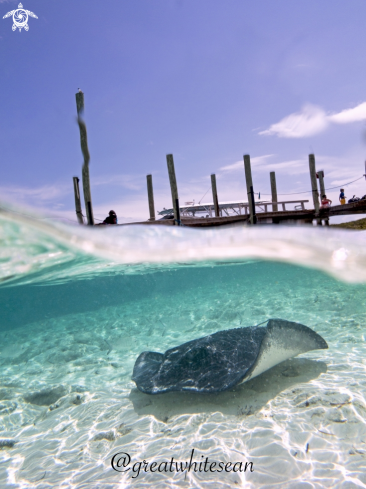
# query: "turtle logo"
{"type": "Point", "coordinates": [20, 18]}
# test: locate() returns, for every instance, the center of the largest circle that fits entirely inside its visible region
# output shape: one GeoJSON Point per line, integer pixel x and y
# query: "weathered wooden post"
{"type": "Point", "coordinates": [78, 210]}
{"type": "Point", "coordinates": [314, 186]}
{"type": "Point", "coordinates": [84, 148]}
{"type": "Point", "coordinates": [272, 177]}
{"type": "Point", "coordinates": [173, 188]}
{"type": "Point", "coordinates": [178, 212]}
{"type": "Point", "coordinates": [320, 175]}
{"type": "Point", "coordinates": [250, 191]}
{"type": "Point", "coordinates": [150, 195]}
{"type": "Point", "coordinates": [214, 195]}
{"type": "Point", "coordinates": [80, 102]}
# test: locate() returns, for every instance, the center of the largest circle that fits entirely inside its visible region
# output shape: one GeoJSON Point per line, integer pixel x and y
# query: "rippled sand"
{"type": "Point", "coordinates": [67, 402]}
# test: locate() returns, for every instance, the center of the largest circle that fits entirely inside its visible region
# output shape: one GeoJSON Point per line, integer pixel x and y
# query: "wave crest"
{"type": "Point", "coordinates": [33, 251]}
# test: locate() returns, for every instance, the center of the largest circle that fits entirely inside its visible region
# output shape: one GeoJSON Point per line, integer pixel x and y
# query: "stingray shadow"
{"type": "Point", "coordinates": [242, 400]}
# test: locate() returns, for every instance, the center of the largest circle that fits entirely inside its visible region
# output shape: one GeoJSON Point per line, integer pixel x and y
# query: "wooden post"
{"type": "Point", "coordinates": [173, 187]}
{"type": "Point", "coordinates": [314, 186]}
{"type": "Point", "coordinates": [272, 177]}
{"type": "Point", "coordinates": [253, 205]}
{"type": "Point", "coordinates": [178, 211]}
{"type": "Point", "coordinates": [84, 148]}
{"type": "Point", "coordinates": [150, 195]}
{"type": "Point", "coordinates": [80, 103]}
{"type": "Point", "coordinates": [214, 195]}
{"type": "Point", "coordinates": [250, 192]}
{"type": "Point", "coordinates": [78, 210]}
{"type": "Point", "coordinates": [322, 191]}
{"type": "Point", "coordinates": [321, 183]}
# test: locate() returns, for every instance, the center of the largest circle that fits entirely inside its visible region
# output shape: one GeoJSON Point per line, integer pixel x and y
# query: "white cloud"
{"type": "Point", "coordinates": [350, 115]}
{"type": "Point", "coordinates": [313, 120]}
{"type": "Point", "coordinates": [310, 121]}
{"type": "Point", "coordinates": [292, 167]}
{"type": "Point", "coordinates": [262, 163]}
{"type": "Point", "coordinates": [240, 164]}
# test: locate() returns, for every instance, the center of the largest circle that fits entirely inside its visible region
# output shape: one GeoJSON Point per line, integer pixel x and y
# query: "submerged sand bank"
{"type": "Point", "coordinates": [67, 402]}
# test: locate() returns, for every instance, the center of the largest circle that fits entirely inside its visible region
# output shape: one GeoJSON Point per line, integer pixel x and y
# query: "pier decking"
{"type": "Point", "coordinates": [300, 216]}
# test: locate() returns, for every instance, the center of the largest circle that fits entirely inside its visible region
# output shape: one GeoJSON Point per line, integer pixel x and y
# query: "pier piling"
{"type": "Point", "coordinates": [321, 183]}
{"type": "Point", "coordinates": [173, 188]}
{"type": "Point", "coordinates": [84, 148]}
{"type": "Point", "coordinates": [150, 194]}
{"type": "Point", "coordinates": [314, 186]}
{"type": "Point", "coordinates": [250, 191]}
{"type": "Point", "coordinates": [214, 195]}
{"type": "Point", "coordinates": [272, 177]}
{"type": "Point", "coordinates": [78, 210]}
{"type": "Point", "coordinates": [320, 175]}
{"type": "Point", "coordinates": [80, 103]}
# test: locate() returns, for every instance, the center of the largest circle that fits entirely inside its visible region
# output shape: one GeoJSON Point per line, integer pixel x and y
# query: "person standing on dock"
{"type": "Point", "coordinates": [111, 219]}
{"type": "Point", "coordinates": [342, 197]}
{"type": "Point", "coordinates": [325, 202]}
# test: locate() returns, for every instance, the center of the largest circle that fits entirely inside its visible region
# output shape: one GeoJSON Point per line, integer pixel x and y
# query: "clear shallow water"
{"type": "Point", "coordinates": [79, 305]}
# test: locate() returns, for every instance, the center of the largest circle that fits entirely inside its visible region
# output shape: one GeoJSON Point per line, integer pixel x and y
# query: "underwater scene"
{"type": "Point", "coordinates": [81, 408]}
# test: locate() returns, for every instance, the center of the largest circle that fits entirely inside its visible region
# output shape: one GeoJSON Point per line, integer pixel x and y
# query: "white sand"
{"type": "Point", "coordinates": [67, 400]}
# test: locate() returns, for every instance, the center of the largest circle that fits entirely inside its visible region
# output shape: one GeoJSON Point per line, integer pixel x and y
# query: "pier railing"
{"type": "Point", "coordinates": [300, 204]}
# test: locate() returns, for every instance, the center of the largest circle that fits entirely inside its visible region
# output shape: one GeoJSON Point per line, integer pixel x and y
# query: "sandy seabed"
{"type": "Point", "coordinates": [67, 402]}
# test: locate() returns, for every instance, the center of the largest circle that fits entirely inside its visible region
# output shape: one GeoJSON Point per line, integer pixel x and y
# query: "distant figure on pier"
{"type": "Point", "coordinates": [111, 219]}
{"type": "Point", "coordinates": [342, 197]}
{"type": "Point", "coordinates": [326, 202]}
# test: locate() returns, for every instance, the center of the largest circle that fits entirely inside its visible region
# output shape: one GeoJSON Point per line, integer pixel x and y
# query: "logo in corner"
{"type": "Point", "coordinates": [20, 18]}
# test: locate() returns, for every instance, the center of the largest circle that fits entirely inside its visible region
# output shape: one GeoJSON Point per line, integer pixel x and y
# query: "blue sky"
{"type": "Point", "coordinates": [206, 80]}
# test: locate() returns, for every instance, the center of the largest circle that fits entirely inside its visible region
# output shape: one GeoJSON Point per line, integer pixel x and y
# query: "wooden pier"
{"type": "Point", "coordinates": [301, 216]}
{"type": "Point", "coordinates": [248, 212]}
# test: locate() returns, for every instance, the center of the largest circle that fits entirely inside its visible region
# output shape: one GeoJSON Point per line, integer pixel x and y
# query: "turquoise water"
{"type": "Point", "coordinates": [79, 305]}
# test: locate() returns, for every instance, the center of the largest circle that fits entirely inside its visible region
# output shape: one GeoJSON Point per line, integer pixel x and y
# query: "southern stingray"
{"type": "Point", "coordinates": [224, 359]}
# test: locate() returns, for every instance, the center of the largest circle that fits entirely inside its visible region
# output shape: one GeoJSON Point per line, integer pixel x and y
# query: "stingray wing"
{"type": "Point", "coordinates": [283, 340]}
{"type": "Point", "coordinates": [9, 14]}
{"type": "Point", "coordinates": [31, 14]}
{"type": "Point", "coordinates": [211, 364]}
